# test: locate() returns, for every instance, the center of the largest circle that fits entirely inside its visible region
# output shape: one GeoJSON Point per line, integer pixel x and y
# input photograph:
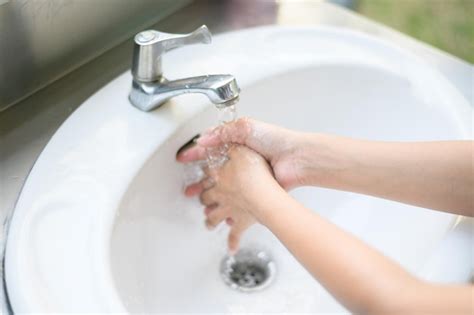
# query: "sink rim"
{"type": "Point", "coordinates": [171, 117]}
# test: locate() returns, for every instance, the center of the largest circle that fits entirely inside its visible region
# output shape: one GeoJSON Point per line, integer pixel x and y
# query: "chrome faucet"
{"type": "Point", "coordinates": [151, 90]}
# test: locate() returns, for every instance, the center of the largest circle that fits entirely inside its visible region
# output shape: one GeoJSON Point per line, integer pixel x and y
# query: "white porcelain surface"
{"type": "Point", "coordinates": [101, 224]}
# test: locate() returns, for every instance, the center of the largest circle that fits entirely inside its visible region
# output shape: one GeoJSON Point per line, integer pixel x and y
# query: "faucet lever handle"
{"type": "Point", "coordinates": [166, 41]}
{"type": "Point", "coordinates": [150, 45]}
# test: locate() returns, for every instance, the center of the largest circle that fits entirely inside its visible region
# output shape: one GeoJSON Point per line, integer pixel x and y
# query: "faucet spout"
{"type": "Point", "coordinates": [222, 90]}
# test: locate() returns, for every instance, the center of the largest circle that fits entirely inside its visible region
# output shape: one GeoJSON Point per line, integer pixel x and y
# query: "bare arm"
{"type": "Point", "coordinates": [437, 175]}
{"type": "Point", "coordinates": [361, 278]}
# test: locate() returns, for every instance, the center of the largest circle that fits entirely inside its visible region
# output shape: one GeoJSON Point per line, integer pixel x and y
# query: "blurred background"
{"type": "Point", "coordinates": [445, 24]}
{"type": "Point", "coordinates": [39, 49]}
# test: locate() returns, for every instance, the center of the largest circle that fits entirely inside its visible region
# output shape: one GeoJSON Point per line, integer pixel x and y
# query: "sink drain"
{"type": "Point", "coordinates": [247, 271]}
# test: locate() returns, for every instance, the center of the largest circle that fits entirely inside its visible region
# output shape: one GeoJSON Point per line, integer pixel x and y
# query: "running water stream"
{"type": "Point", "coordinates": [217, 156]}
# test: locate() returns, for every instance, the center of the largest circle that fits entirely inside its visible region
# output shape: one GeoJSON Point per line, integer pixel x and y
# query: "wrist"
{"type": "Point", "coordinates": [270, 203]}
{"type": "Point", "coordinates": [326, 161]}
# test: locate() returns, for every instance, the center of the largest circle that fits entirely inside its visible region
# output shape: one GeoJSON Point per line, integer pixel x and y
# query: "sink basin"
{"type": "Point", "coordinates": [101, 224]}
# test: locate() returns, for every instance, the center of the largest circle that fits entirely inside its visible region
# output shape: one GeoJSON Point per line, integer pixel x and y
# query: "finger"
{"type": "Point", "coordinates": [193, 189]}
{"type": "Point", "coordinates": [216, 216]}
{"type": "Point", "coordinates": [208, 183]}
{"type": "Point", "coordinates": [197, 188]}
{"type": "Point", "coordinates": [210, 172]}
{"type": "Point", "coordinates": [194, 153]}
{"type": "Point", "coordinates": [208, 197]}
{"type": "Point", "coordinates": [236, 132]}
{"type": "Point", "coordinates": [233, 240]}
{"type": "Point", "coordinates": [208, 209]}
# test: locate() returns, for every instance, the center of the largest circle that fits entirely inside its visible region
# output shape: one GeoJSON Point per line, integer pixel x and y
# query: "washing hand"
{"type": "Point", "coordinates": [243, 191]}
{"type": "Point", "coordinates": [361, 166]}
{"type": "Point", "coordinates": [285, 150]}
{"type": "Point", "coordinates": [235, 192]}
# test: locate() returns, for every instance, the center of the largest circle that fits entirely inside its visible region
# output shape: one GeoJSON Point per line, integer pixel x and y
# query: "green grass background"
{"type": "Point", "coordinates": [446, 24]}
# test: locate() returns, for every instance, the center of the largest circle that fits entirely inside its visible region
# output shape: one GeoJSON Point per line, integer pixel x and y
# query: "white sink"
{"type": "Point", "coordinates": [101, 224]}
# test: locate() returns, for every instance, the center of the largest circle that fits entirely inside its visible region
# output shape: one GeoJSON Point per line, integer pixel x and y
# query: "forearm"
{"type": "Point", "coordinates": [358, 276]}
{"type": "Point", "coordinates": [445, 299]}
{"type": "Point", "coordinates": [436, 175]}
{"type": "Point", "coordinates": [361, 278]}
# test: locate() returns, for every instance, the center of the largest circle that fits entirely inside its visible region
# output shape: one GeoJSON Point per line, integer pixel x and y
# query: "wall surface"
{"type": "Point", "coordinates": [42, 40]}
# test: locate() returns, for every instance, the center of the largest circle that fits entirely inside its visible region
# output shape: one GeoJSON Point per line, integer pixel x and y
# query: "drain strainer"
{"type": "Point", "coordinates": [249, 270]}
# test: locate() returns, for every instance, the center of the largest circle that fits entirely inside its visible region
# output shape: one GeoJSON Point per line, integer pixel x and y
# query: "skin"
{"type": "Point", "coordinates": [268, 160]}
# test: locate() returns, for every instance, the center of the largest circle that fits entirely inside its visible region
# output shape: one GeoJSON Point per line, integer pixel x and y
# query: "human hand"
{"type": "Point", "coordinates": [234, 191]}
{"type": "Point", "coordinates": [285, 150]}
